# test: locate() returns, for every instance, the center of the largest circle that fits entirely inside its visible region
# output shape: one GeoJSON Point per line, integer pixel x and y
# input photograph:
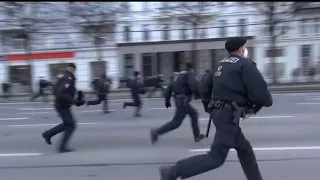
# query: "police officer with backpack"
{"type": "Point", "coordinates": [64, 92]}
{"type": "Point", "coordinates": [102, 90]}
{"type": "Point", "coordinates": [136, 86]}
{"type": "Point", "coordinates": [183, 87]}
{"type": "Point", "coordinates": [237, 85]}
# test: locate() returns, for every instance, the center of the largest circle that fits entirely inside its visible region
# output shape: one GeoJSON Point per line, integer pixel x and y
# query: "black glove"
{"type": "Point", "coordinates": [168, 104]}
{"type": "Point", "coordinates": [205, 103]}
{"type": "Point", "coordinates": [80, 95]}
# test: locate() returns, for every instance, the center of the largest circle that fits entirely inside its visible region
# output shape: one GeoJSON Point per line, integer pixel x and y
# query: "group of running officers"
{"type": "Point", "coordinates": [234, 89]}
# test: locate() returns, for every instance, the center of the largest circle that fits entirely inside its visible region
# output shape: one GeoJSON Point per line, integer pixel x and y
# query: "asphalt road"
{"type": "Point", "coordinates": [116, 146]}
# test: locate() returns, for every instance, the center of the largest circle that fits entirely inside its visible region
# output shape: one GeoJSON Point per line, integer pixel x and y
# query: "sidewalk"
{"type": "Point", "coordinates": [125, 93]}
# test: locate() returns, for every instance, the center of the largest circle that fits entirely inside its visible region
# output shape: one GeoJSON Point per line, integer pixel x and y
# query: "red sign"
{"type": "Point", "coordinates": [42, 56]}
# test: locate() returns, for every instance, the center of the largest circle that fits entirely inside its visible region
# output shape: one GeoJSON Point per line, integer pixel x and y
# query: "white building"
{"type": "Point", "coordinates": [155, 44]}
{"type": "Point", "coordinates": [52, 45]}
{"type": "Point", "coordinates": [297, 47]}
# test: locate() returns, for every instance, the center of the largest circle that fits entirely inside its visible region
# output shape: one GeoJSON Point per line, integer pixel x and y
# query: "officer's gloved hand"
{"type": "Point", "coordinates": [168, 104]}
{"type": "Point", "coordinates": [80, 95]}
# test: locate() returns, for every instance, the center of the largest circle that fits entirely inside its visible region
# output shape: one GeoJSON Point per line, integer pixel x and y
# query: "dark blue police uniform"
{"type": "Point", "coordinates": [236, 80]}
{"type": "Point", "coordinates": [182, 86]}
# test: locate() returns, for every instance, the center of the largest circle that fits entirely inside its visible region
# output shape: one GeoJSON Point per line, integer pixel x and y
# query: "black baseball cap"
{"type": "Point", "coordinates": [234, 43]}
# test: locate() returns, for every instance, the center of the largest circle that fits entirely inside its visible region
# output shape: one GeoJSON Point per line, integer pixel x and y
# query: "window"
{"type": "Point", "coordinates": [146, 33]}
{"type": "Point", "coordinates": [18, 43]}
{"type": "Point", "coordinates": [147, 64]}
{"type": "Point", "coordinates": [280, 69]}
{"type": "Point", "coordinates": [98, 68]}
{"type": "Point", "coordinates": [183, 32]}
{"type": "Point", "coordinates": [126, 6]}
{"type": "Point", "coordinates": [317, 25]}
{"type": "Point", "coordinates": [203, 33]}
{"type": "Point", "coordinates": [242, 27]}
{"type": "Point", "coordinates": [21, 75]}
{"type": "Point", "coordinates": [97, 40]}
{"type": "Point", "coordinates": [278, 52]}
{"type": "Point", "coordinates": [223, 28]}
{"type": "Point", "coordinates": [145, 6]}
{"type": "Point", "coordinates": [166, 32]}
{"type": "Point", "coordinates": [305, 58]}
{"type": "Point", "coordinates": [164, 4]}
{"type": "Point", "coordinates": [128, 65]}
{"type": "Point", "coordinates": [303, 26]}
{"type": "Point", "coordinates": [127, 35]}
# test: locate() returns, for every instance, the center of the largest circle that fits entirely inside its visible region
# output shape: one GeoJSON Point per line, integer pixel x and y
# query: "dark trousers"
{"type": "Point", "coordinates": [67, 126]}
{"type": "Point", "coordinates": [228, 135]}
{"type": "Point", "coordinates": [154, 89]}
{"type": "Point", "coordinates": [183, 108]}
{"type": "Point", "coordinates": [101, 98]}
{"type": "Point", "coordinates": [40, 93]}
{"type": "Point", "coordinates": [135, 103]}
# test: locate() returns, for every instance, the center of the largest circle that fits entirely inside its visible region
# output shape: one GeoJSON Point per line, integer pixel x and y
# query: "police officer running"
{"type": "Point", "coordinates": [64, 92]}
{"type": "Point", "coordinates": [43, 85]}
{"type": "Point", "coordinates": [183, 86]}
{"type": "Point", "coordinates": [136, 87]}
{"type": "Point", "coordinates": [237, 82]}
{"type": "Point", "coordinates": [102, 90]}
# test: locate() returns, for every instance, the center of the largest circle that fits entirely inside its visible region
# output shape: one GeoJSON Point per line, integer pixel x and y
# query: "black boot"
{"type": "Point", "coordinates": [65, 150]}
{"type": "Point", "coordinates": [154, 136]}
{"type": "Point", "coordinates": [200, 137]}
{"type": "Point", "coordinates": [165, 173]}
{"type": "Point", "coordinates": [46, 138]}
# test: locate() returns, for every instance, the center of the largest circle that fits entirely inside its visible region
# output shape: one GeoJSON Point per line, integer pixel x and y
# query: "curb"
{"type": "Point", "coordinates": [125, 94]}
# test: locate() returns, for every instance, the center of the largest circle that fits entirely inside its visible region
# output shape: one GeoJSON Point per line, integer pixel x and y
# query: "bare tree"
{"type": "Point", "coordinates": [277, 17]}
{"type": "Point", "coordinates": [192, 14]}
{"type": "Point", "coordinates": [22, 20]}
{"type": "Point", "coordinates": [97, 20]}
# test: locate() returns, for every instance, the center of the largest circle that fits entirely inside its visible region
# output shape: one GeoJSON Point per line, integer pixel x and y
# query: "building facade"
{"type": "Point", "coordinates": [298, 46]}
{"type": "Point", "coordinates": [153, 42]}
{"type": "Point", "coordinates": [51, 45]}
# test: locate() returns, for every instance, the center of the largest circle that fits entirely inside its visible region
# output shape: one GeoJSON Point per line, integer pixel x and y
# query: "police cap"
{"type": "Point", "coordinates": [72, 65]}
{"type": "Point", "coordinates": [234, 43]}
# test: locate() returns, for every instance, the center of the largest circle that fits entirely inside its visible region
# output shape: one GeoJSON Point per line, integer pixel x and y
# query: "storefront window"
{"type": "Point", "coordinates": [20, 77]}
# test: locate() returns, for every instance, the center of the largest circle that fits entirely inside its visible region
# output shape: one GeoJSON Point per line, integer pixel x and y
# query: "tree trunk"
{"type": "Point", "coordinates": [273, 59]}
{"type": "Point", "coordinates": [194, 46]}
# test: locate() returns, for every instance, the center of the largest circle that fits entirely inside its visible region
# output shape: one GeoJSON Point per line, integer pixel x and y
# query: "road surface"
{"type": "Point", "coordinates": [116, 146]}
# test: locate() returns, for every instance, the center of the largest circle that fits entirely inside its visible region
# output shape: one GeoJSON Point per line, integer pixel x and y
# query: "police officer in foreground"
{"type": "Point", "coordinates": [102, 90]}
{"type": "Point", "coordinates": [237, 83]}
{"type": "Point", "coordinates": [183, 86]}
{"type": "Point", "coordinates": [136, 87]}
{"type": "Point", "coordinates": [64, 92]}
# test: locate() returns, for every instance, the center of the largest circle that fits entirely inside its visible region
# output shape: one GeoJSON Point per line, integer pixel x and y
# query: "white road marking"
{"type": "Point", "coordinates": [268, 149]}
{"type": "Point", "coordinates": [39, 125]}
{"type": "Point", "coordinates": [172, 108]}
{"type": "Point", "coordinates": [313, 99]}
{"type": "Point", "coordinates": [9, 103]}
{"type": "Point", "coordinates": [256, 117]}
{"type": "Point", "coordinates": [31, 109]}
{"type": "Point", "coordinates": [307, 103]}
{"type": "Point", "coordinates": [35, 113]}
{"type": "Point", "coordinates": [13, 119]}
{"type": "Point", "coordinates": [270, 117]}
{"type": "Point", "coordinates": [97, 111]}
{"type": "Point", "coordinates": [20, 154]}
